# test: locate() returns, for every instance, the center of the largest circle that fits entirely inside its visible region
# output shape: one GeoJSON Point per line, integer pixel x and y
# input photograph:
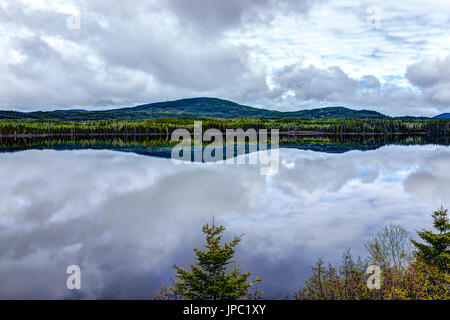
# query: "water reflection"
{"type": "Point", "coordinates": [161, 146]}
{"type": "Point", "coordinates": [125, 218]}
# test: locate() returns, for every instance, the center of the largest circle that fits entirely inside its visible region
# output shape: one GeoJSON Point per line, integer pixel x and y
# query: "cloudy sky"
{"type": "Point", "coordinates": [392, 57]}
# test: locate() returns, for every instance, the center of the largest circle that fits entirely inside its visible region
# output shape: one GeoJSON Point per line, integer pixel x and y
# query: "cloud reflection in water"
{"type": "Point", "coordinates": [125, 219]}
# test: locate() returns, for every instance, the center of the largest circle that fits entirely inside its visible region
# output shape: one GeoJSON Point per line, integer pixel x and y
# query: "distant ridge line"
{"type": "Point", "coordinates": [200, 107]}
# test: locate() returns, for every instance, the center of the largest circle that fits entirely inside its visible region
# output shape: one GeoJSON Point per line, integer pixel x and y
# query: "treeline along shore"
{"type": "Point", "coordinates": [165, 126]}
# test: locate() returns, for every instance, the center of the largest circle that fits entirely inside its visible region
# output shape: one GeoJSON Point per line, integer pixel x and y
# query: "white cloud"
{"type": "Point", "coordinates": [150, 51]}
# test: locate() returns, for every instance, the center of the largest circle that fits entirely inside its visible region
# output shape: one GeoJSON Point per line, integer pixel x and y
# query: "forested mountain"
{"type": "Point", "coordinates": [192, 108]}
{"type": "Point", "coordinates": [443, 116]}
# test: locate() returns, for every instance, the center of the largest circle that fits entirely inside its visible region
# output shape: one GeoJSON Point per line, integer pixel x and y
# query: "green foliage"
{"type": "Point", "coordinates": [210, 278]}
{"type": "Point", "coordinates": [405, 275]}
{"type": "Point", "coordinates": [165, 126]}
{"type": "Point", "coordinates": [347, 281]}
{"type": "Point", "coordinates": [390, 248]}
{"type": "Point", "coordinates": [436, 250]}
{"type": "Point", "coordinates": [343, 282]}
{"type": "Point", "coordinates": [423, 275]}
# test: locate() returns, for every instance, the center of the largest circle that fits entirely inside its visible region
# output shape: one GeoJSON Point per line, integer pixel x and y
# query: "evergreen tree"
{"type": "Point", "coordinates": [208, 278]}
{"type": "Point", "coordinates": [436, 250]}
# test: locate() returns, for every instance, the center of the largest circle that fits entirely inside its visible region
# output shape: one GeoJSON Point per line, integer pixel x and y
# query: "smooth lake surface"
{"type": "Point", "coordinates": [126, 218]}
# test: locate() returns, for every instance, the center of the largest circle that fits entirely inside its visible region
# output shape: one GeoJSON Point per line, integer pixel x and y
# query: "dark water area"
{"type": "Point", "coordinates": [161, 146]}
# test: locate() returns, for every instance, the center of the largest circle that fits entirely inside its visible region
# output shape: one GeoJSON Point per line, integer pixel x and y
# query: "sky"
{"type": "Point", "coordinates": [102, 210]}
{"type": "Point", "coordinates": [392, 57]}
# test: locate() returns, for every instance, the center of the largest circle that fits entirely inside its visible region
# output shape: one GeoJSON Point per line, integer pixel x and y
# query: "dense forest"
{"type": "Point", "coordinates": [166, 126]}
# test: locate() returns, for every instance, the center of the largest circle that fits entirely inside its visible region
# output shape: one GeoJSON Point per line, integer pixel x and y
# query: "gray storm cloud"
{"type": "Point", "coordinates": [313, 83]}
{"type": "Point", "coordinates": [432, 76]}
{"type": "Point", "coordinates": [210, 17]}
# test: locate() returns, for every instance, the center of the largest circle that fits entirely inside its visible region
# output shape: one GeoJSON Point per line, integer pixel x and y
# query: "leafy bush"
{"type": "Point", "coordinates": [419, 275]}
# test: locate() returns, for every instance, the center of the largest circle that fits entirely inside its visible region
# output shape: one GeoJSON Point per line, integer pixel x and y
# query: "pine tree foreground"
{"type": "Point", "coordinates": [437, 250]}
{"type": "Point", "coordinates": [208, 278]}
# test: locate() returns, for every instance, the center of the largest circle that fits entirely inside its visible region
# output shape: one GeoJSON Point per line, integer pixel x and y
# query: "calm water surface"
{"type": "Point", "coordinates": [125, 218]}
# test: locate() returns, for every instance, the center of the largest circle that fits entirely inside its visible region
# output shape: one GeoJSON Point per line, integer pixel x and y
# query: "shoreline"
{"type": "Point", "coordinates": [284, 133]}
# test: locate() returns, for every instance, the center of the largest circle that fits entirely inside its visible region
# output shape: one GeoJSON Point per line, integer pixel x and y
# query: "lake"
{"type": "Point", "coordinates": [125, 213]}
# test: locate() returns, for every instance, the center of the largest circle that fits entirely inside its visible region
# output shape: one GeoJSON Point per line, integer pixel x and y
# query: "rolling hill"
{"type": "Point", "coordinates": [192, 108]}
{"type": "Point", "coordinates": [443, 116]}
